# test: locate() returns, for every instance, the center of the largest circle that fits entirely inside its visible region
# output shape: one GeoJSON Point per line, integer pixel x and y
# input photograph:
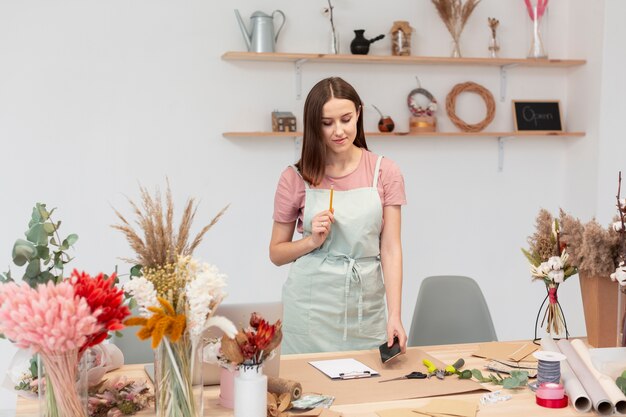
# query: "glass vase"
{"type": "Point", "coordinates": [250, 392]}
{"type": "Point", "coordinates": [178, 380]}
{"type": "Point", "coordinates": [62, 384]}
{"type": "Point", "coordinates": [494, 47]}
{"type": "Point", "coordinates": [552, 317]}
{"type": "Point", "coordinates": [456, 47]}
{"type": "Point", "coordinates": [538, 32]}
{"type": "Point", "coordinates": [333, 44]}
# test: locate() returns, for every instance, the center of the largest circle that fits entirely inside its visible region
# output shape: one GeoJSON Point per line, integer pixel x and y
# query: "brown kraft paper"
{"type": "Point", "coordinates": [365, 390]}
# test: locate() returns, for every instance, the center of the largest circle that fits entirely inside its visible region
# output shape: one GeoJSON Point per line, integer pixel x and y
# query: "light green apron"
{"type": "Point", "coordinates": [334, 296]}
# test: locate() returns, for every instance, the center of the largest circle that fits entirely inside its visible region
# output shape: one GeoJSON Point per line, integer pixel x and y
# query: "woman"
{"type": "Point", "coordinates": [339, 195]}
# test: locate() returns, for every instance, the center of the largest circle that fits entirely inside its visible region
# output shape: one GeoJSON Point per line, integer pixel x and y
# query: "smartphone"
{"type": "Point", "coordinates": [388, 353]}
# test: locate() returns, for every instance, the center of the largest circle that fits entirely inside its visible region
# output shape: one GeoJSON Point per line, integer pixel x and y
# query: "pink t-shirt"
{"type": "Point", "coordinates": [289, 197]}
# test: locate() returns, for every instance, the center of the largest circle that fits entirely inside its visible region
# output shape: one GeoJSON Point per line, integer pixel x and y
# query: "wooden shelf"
{"type": "Point", "coordinates": [406, 60]}
{"type": "Point", "coordinates": [397, 134]}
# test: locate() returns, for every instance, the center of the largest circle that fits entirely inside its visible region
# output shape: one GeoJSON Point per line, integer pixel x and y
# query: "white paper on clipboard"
{"type": "Point", "coordinates": [347, 368]}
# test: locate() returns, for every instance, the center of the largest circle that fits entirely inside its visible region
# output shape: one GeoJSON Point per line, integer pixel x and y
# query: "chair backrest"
{"type": "Point", "coordinates": [450, 309]}
{"type": "Point", "coordinates": [134, 349]}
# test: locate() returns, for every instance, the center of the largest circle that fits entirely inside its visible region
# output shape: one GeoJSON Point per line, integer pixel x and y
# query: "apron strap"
{"type": "Point", "coordinates": [352, 277]}
{"type": "Point", "coordinates": [376, 171]}
{"type": "Point", "coordinates": [306, 184]}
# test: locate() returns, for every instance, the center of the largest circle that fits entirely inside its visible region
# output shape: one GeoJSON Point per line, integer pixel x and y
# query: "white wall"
{"type": "Point", "coordinates": [96, 97]}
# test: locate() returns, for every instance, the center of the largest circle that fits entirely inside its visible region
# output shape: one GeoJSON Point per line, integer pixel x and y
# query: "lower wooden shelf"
{"type": "Point", "coordinates": [429, 134]}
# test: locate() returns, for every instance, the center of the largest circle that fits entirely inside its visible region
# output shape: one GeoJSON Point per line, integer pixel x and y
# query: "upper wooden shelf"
{"type": "Point", "coordinates": [395, 134]}
{"type": "Point", "coordinates": [388, 59]}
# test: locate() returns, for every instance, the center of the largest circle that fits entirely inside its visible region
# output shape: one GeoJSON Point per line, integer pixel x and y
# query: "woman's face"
{"type": "Point", "coordinates": [339, 120]}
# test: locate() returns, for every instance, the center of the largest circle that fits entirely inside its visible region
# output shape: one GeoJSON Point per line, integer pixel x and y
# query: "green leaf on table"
{"type": "Point", "coordinates": [465, 374]}
{"type": "Point", "coordinates": [479, 376]}
{"type": "Point", "coordinates": [23, 251]}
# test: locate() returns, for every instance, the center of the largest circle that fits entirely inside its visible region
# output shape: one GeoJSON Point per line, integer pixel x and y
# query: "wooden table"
{"type": "Point", "coordinates": [521, 405]}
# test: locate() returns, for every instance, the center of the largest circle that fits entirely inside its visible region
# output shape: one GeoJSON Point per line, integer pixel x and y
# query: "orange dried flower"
{"type": "Point", "coordinates": [164, 322]}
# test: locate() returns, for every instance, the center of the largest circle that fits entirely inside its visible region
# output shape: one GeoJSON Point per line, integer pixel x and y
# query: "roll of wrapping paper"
{"type": "Point", "coordinates": [573, 387]}
{"type": "Point", "coordinates": [615, 394]}
{"type": "Point", "coordinates": [599, 398]}
{"type": "Point", "coordinates": [280, 386]}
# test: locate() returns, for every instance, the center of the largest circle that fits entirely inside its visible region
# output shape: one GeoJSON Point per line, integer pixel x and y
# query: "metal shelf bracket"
{"type": "Point", "coordinates": [503, 80]}
{"type": "Point", "coordinates": [501, 152]}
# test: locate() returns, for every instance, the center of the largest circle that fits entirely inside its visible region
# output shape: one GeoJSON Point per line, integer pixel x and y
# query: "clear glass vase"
{"type": "Point", "coordinates": [456, 48]}
{"type": "Point", "coordinates": [333, 42]}
{"type": "Point", "coordinates": [178, 380]}
{"type": "Point", "coordinates": [250, 392]}
{"type": "Point", "coordinates": [538, 32]}
{"type": "Point", "coordinates": [494, 47]}
{"type": "Point", "coordinates": [62, 384]}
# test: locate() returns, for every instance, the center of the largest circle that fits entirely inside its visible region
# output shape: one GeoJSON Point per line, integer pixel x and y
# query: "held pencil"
{"type": "Point", "coordinates": [330, 208]}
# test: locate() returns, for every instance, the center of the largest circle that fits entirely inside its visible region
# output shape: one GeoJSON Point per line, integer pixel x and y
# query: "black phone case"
{"type": "Point", "coordinates": [388, 353]}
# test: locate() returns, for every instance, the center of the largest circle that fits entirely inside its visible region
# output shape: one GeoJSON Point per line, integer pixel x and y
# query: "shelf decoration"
{"type": "Point", "coordinates": [494, 46]}
{"type": "Point", "coordinates": [385, 123]}
{"type": "Point", "coordinates": [537, 13]}
{"type": "Point", "coordinates": [401, 38]}
{"type": "Point", "coordinates": [470, 87]}
{"type": "Point", "coordinates": [423, 119]}
{"type": "Point", "coordinates": [454, 14]}
{"type": "Point", "coordinates": [334, 36]}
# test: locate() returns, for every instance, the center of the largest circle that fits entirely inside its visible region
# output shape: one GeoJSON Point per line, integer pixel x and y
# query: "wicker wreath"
{"type": "Point", "coordinates": [470, 87]}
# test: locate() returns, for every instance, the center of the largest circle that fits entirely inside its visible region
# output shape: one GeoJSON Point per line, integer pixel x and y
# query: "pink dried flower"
{"type": "Point", "coordinates": [50, 319]}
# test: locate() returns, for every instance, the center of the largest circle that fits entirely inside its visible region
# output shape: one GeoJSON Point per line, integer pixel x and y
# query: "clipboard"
{"type": "Point", "coordinates": [347, 368]}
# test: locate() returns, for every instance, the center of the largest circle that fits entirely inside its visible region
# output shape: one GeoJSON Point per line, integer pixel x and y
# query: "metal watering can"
{"type": "Point", "coordinates": [262, 37]}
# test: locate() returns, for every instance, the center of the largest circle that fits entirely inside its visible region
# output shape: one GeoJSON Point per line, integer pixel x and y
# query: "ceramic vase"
{"type": "Point", "coordinates": [227, 387]}
{"type": "Point", "coordinates": [250, 392]}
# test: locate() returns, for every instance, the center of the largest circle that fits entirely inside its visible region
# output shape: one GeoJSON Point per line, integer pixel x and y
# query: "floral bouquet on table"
{"type": "Point", "coordinates": [549, 262]}
{"type": "Point", "coordinates": [176, 297]}
{"type": "Point", "coordinates": [55, 317]}
{"type": "Point", "coordinates": [59, 322]}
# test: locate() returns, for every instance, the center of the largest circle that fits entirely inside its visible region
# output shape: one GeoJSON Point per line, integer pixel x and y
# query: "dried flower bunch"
{"type": "Point", "coordinates": [549, 262]}
{"type": "Point", "coordinates": [493, 25]}
{"type": "Point", "coordinates": [454, 14]}
{"type": "Point", "coordinates": [254, 344]}
{"type": "Point", "coordinates": [118, 397]}
{"type": "Point", "coordinates": [277, 405]}
{"type": "Point", "coordinates": [595, 250]}
{"type": "Point", "coordinates": [328, 11]}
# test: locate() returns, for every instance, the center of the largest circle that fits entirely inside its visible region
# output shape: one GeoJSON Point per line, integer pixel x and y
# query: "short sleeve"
{"type": "Point", "coordinates": [392, 183]}
{"type": "Point", "coordinates": [289, 197]}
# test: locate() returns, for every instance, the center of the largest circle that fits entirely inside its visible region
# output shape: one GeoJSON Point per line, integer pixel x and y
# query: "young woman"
{"type": "Point", "coordinates": [334, 297]}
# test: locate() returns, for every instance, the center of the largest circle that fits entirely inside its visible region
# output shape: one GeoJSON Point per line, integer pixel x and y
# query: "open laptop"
{"type": "Point", "coordinates": [239, 314]}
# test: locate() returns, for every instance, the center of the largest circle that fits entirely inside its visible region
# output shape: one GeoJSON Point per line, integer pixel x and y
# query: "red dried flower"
{"type": "Point", "coordinates": [264, 335]}
{"type": "Point", "coordinates": [101, 294]}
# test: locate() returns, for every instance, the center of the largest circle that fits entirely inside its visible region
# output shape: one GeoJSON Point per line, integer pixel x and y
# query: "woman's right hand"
{"type": "Point", "coordinates": [320, 227]}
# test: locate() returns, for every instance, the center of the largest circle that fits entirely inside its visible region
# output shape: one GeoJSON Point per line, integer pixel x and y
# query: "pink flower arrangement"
{"type": "Point", "coordinates": [59, 321]}
{"type": "Point", "coordinates": [540, 7]}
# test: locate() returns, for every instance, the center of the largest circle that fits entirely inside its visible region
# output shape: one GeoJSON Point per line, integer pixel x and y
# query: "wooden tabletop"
{"type": "Point", "coordinates": [522, 403]}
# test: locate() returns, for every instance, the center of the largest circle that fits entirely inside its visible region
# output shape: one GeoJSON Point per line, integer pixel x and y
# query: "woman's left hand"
{"type": "Point", "coordinates": [395, 329]}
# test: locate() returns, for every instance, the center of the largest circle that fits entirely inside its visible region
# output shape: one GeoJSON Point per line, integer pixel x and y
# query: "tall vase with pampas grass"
{"type": "Point", "coordinates": [454, 14]}
{"type": "Point", "coordinates": [177, 299]}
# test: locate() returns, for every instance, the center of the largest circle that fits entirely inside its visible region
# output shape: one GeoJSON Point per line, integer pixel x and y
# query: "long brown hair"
{"type": "Point", "coordinates": [312, 161]}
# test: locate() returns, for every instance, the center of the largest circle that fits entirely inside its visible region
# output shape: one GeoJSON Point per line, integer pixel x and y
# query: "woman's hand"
{"type": "Point", "coordinates": [320, 227]}
{"type": "Point", "coordinates": [395, 329]}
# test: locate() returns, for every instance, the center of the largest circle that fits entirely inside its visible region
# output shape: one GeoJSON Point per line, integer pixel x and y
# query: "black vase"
{"type": "Point", "coordinates": [359, 45]}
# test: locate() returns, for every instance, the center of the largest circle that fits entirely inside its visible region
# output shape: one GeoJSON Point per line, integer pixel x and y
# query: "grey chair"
{"type": "Point", "coordinates": [134, 350]}
{"type": "Point", "coordinates": [450, 309]}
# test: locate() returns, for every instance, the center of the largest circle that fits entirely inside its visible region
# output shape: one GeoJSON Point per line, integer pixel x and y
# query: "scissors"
{"type": "Point", "coordinates": [412, 375]}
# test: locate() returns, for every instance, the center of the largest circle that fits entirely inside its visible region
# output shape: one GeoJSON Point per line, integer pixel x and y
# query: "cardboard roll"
{"type": "Point", "coordinates": [423, 124]}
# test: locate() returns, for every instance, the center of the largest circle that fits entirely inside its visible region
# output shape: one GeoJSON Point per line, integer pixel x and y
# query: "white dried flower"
{"type": "Point", "coordinates": [212, 352]}
{"type": "Point", "coordinates": [617, 226]}
{"type": "Point", "coordinates": [203, 292]}
{"type": "Point", "coordinates": [555, 263]}
{"type": "Point", "coordinates": [557, 276]}
{"type": "Point", "coordinates": [620, 274]}
{"type": "Point", "coordinates": [144, 294]}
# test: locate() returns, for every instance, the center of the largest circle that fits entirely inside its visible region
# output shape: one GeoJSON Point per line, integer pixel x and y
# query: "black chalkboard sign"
{"type": "Point", "coordinates": [537, 115]}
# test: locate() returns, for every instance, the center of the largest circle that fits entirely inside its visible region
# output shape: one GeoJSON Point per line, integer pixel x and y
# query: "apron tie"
{"type": "Point", "coordinates": [353, 276]}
